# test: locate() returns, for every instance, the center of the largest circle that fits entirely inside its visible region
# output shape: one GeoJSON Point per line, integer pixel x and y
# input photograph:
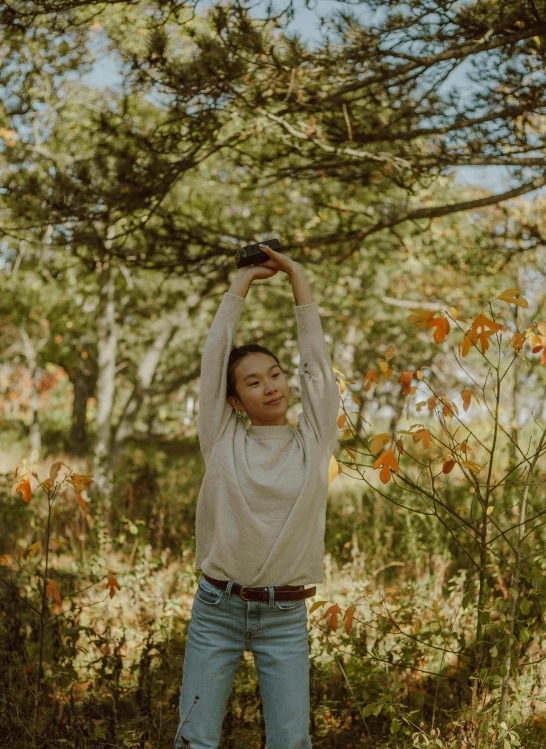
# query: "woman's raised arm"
{"type": "Point", "coordinates": [214, 410]}
{"type": "Point", "coordinates": [319, 388]}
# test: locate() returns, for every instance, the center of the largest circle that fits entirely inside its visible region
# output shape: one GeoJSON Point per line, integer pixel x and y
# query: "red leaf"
{"type": "Point", "coordinates": [112, 583]}
{"type": "Point", "coordinates": [448, 466]}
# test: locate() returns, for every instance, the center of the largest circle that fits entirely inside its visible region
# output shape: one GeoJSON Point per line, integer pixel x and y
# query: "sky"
{"type": "Point", "coordinates": [307, 23]}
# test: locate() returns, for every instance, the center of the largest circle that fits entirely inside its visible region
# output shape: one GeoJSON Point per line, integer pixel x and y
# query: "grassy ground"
{"type": "Point", "coordinates": [113, 665]}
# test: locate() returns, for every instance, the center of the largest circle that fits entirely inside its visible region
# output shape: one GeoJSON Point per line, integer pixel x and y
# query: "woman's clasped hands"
{"type": "Point", "coordinates": [277, 262]}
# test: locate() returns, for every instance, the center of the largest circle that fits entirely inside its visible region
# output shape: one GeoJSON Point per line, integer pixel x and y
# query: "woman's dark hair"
{"type": "Point", "coordinates": [237, 353]}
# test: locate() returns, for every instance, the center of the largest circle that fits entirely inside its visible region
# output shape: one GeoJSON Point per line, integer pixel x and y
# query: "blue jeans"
{"type": "Point", "coordinates": [222, 626]}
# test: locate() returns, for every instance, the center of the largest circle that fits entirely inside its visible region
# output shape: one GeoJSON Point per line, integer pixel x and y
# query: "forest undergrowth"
{"type": "Point", "coordinates": [111, 640]}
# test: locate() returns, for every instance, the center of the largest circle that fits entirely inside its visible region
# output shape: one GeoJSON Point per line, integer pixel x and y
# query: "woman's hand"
{"type": "Point", "coordinates": [254, 272]}
{"type": "Point", "coordinates": [277, 261]}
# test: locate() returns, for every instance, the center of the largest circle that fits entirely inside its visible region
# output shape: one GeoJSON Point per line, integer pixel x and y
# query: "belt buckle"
{"type": "Point", "coordinates": [241, 594]}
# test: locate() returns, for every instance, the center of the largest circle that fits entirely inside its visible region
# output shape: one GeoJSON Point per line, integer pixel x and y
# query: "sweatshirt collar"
{"type": "Point", "coordinates": [281, 432]}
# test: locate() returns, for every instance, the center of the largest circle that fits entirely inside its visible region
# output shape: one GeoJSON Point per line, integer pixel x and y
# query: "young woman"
{"type": "Point", "coordinates": [260, 519]}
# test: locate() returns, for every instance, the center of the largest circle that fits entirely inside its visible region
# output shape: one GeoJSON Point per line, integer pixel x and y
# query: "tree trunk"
{"type": "Point", "coordinates": [31, 354]}
{"type": "Point", "coordinates": [83, 388]}
{"type": "Point", "coordinates": [145, 376]}
{"type": "Point", "coordinates": [35, 431]}
{"type": "Point", "coordinates": [106, 371]}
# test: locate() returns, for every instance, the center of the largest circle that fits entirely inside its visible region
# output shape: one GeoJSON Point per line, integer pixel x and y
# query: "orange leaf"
{"type": "Point", "coordinates": [24, 488]}
{"type": "Point", "coordinates": [481, 329]}
{"type": "Point", "coordinates": [422, 434]}
{"type": "Point", "coordinates": [80, 481]}
{"type": "Point", "coordinates": [389, 353]}
{"type": "Point", "coordinates": [400, 446]}
{"type": "Point", "coordinates": [388, 461]}
{"type": "Point", "coordinates": [405, 380]}
{"type": "Point", "coordinates": [53, 589]}
{"type": "Point", "coordinates": [81, 502]}
{"type": "Point", "coordinates": [371, 375]}
{"type": "Point", "coordinates": [350, 453]}
{"type": "Point", "coordinates": [431, 402]}
{"type": "Point", "coordinates": [341, 420]}
{"type": "Point", "coordinates": [466, 396]}
{"type": "Point", "coordinates": [333, 611]}
{"type": "Point", "coordinates": [348, 617]}
{"type": "Point", "coordinates": [442, 328]}
{"type": "Point", "coordinates": [518, 341]}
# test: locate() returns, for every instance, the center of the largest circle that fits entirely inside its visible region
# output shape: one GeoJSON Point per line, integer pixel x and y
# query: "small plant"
{"type": "Point", "coordinates": [46, 602]}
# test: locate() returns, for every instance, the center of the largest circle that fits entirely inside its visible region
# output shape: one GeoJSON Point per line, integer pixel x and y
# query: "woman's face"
{"type": "Point", "coordinates": [259, 379]}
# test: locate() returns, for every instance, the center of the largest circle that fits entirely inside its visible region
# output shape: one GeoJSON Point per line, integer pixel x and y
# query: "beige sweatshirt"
{"type": "Point", "coordinates": [262, 504]}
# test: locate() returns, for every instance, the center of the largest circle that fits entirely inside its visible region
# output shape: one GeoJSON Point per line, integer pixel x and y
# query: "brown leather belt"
{"type": "Point", "coordinates": [282, 592]}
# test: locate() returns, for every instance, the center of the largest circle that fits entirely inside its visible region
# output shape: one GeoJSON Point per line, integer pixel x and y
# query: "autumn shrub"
{"type": "Point", "coordinates": [488, 630]}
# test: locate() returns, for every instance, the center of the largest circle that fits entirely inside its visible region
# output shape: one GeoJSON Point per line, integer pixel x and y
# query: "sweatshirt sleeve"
{"type": "Point", "coordinates": [214, 410]}
{"type": "Point", "coordinates": [319, 388]}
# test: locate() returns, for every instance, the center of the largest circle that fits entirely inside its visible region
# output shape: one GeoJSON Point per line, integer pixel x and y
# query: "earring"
{"type": "Point", "coordinates": [240, 414]}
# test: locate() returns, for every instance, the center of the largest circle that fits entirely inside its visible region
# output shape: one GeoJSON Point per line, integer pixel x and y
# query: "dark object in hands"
{"type": "Point", "coordinates": [252, 255]}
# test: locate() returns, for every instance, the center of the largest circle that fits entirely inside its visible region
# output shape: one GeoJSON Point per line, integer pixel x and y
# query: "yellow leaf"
{"type": "Point", "coordinates": [9, 136]}
{"type": "Point", "coordinates": [389, 353]}
{"type": "Point", "coordinates": [472, 466]}
{"type": "Point", "coordinates": [333, 469]}
{"type": "Point", "coordinates": [490, 509]}
{"type": "Point", "coordinates": [378, 442]}
{"type": "Point", "coordinates": [421, 316]}
{"type": "Point", "coordinates": [386, 371]}
{"type": "Point", "coordinates": [512, 296]}
{"type": "Point", "coordinates": [34, 548]}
